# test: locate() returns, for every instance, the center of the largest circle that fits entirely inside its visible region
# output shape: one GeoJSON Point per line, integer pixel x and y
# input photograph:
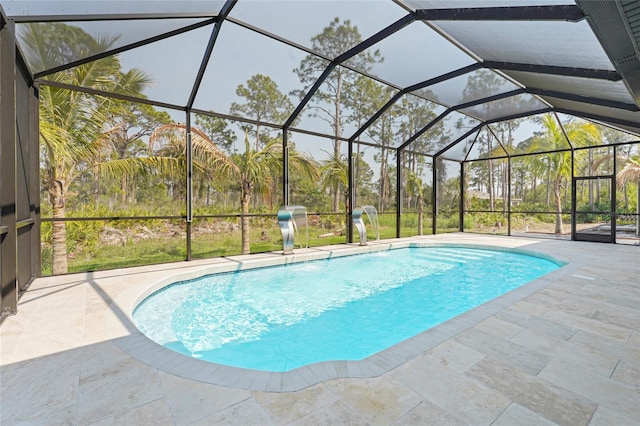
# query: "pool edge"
{"type": "Point", "coordinates": [147, 351]}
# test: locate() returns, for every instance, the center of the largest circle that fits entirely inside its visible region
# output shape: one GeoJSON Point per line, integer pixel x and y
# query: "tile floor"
{"type": "Point", "coordinates": [564, 349]}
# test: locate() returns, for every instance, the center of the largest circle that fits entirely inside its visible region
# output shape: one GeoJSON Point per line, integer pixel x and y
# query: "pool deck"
{"type": "Point", "coordinates": [564, 349]}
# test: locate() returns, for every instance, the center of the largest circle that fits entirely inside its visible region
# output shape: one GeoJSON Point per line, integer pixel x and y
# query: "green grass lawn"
{"type": "Point", "coordinates": [163, 249]}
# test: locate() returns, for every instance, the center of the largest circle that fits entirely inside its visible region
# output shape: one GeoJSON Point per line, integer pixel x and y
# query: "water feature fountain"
{"type": "Point", "coordinates": [291, 219]}
{"type": "Point", "coordinates": [372, 215]}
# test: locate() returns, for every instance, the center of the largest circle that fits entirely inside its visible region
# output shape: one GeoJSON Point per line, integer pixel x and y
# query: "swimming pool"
{"type": "Point", "coordinates": [281, 318]}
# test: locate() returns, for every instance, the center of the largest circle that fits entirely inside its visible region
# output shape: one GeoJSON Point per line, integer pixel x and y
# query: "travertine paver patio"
{"type": "Point", "coordinates": [563, 350]}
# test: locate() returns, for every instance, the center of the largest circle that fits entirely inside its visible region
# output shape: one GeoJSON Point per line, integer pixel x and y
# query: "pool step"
{"type": "Point", "coordinates": [455, 255]}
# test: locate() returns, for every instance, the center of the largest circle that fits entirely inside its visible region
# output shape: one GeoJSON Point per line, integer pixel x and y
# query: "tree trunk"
{"type": "Point", "coordinates": [59, 229]}
{"type": "Point", "coordinates": [336, 198]}
{"type": "Point", "coordinates": [557, 190]}
{"type": "Point", "coordinates": [548, 195]}
{"type": "Point", "coordinates": [337, 128]}
{"type": "Point", "coordinates": [257, 146]}
{"type": "Point", "coordinates": [96, 189]}
{"type": "Point", "coordinates": [244, 220]}
{"type": "Point", "coordinates": [123, 188]}
{"type": "Point", "coordinates": [505, 189]}
{"type": "Point", "coordinates": [383, 181]}
{"type": "Point", "coordinates": [490, 187]}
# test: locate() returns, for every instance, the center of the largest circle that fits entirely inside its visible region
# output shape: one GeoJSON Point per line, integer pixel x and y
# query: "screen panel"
{"type": "Point", "coordinates": [531, 42]}
{"type": "Point", "coordinates": [328, 27]}
{"type": "Point", "coordinates": [468, 87]}
{"type": "Point", "coordinates": [243, 79]}
{"type": "Point", "coordinates": [591, 87]}
{"type": "Point", "coordinates": [72, 41]}
{"type": "Point", "coordinates": [414, 54]}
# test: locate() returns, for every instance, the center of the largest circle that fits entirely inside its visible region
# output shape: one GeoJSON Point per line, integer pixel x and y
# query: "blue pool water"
{"type": "Point", "coordinates": [347, 308]}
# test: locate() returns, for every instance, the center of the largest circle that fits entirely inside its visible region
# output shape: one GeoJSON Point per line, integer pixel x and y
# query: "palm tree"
{"type": "Point", "coordinates": [73, 137]}
{"type": "Point", "coordinates": [416, 186]}
{"type": "Point", "coordinates": [334, 176]}
{"type": "Point", "coordinates": [631, 173]}
{"type": "Point", "coordinates": [255, 169]}
{"type": "Point", "coordinates": [549, 158]}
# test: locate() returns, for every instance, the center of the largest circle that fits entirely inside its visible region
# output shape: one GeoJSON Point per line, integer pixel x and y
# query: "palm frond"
{"type": "Point", "coordinates": [170, 140]}
{"type": "Point", "coordinates": [629, 173]}
{"type": "Point", "coordinates": [142, 166]}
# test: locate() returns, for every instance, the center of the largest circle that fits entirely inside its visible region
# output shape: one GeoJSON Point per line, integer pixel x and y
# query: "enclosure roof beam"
{"type": "Point", "coordinates": [377, 115]}
{"type": "Point", "coordinates": [108, 94]}
{"type": "Point", "coordinates": [226, 9]}
{"type": "Point", "coordinates": [377, 37]}
{"type": "Point", "coordinates": [458, 107]}
{"type": "Point", "coordinates": [614, 24]}
{"type": "Point", "coordinates": [491, 98]}
{"type": "Point", "coordinates": [519, 115]}
{"type": "Point", "coordinates": [325, 136]}
{"type": "Point", "coordinates": [22, 66]}
{"type": "Point", "coordinates": [605, 119]}
{"type": "Point", "coordinates": [495, 120]}
{"type": "Point", "coordinates": [361, 47]}
{"type": "Point", "coordinates": [306, 50]}
{"type": "Point", "coordinates": [276, 37]}
{"type": "Point", "coordinates": [498, 140]}
{"type": "Point", "coordinates": [447, 76]}
{"type": "Point", "coordinates": [584, 99]}
{"type": "Point", "coordinates": [424, 129]}
{"type": "Point", "coordinates": [569, 13]}
{"type": "Point", "coordinates": [564, 131]}
{"type": "Point", "coordinates": [461, 138]}
{"type": "Point", "coordinates": [600, 74]}
{"type": "Point", "coordinates": [412, 88]}
{"type": "Point", "coordinates": [475, 140]}
{"type": "Point", "coordinates": [26, 19]}
{"type": "Point", "coordinates": [233, 118]}
{"type": "Point", "coordinates": [307, 97]}
{"type": "Point", "coordinates": [124, 48]}
{"type": "Point", "coordinates": [264, 123]}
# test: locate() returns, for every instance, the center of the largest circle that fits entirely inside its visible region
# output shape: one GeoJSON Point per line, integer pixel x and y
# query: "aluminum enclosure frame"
{"type": "Point", "coordinates": [429, 17]}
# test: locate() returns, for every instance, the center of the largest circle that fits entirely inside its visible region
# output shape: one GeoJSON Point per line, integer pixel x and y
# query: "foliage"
{"type": "Point", "coordinates": [264, 103]}
{"type": "Point", "coordinates": [557, 165]}
{"type": "Point", "coordinates": [253, 169]}
{"type": "Point", "coordinates": [216, 130]}
{"type": "Point", "coordinates": [108, 158]}
{"type": "Point", "coordinates": [75, 135]}
{"type": "Point", "coordinates": [329, 102]}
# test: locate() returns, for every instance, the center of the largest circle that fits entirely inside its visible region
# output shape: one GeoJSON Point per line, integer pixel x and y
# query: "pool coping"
{"type": "Point", "coordinates": [151, 353]}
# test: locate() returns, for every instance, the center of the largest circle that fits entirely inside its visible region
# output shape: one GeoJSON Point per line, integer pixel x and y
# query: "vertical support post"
{"type": "Point", "coordinates": [285, 167]}
{"type": "Point", "coordinates": [434, 197]}
{"type": "Point", "coordinates": [462, 194]}
{"type": "Point", "coordinates": [573, 183]}
{"type": "Point", "coordinates": [574, 230]}
{"type": "Point", "coordinates": [509, 196]}
{"type": "Point", "coordinates": [34, 184]}
{"type": "Point", "coordinates": [8, 231]}
{"type": "Point", "coordinates": [573, 198]}
{"type": "Point", "coordinates": [398, 192]}
{"type": "Point", "coordinates": [350, 190]}
{"type": "Point", "coordinates": [189, 183]}
{"type": "Point", "coordinates": [614, 194]}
